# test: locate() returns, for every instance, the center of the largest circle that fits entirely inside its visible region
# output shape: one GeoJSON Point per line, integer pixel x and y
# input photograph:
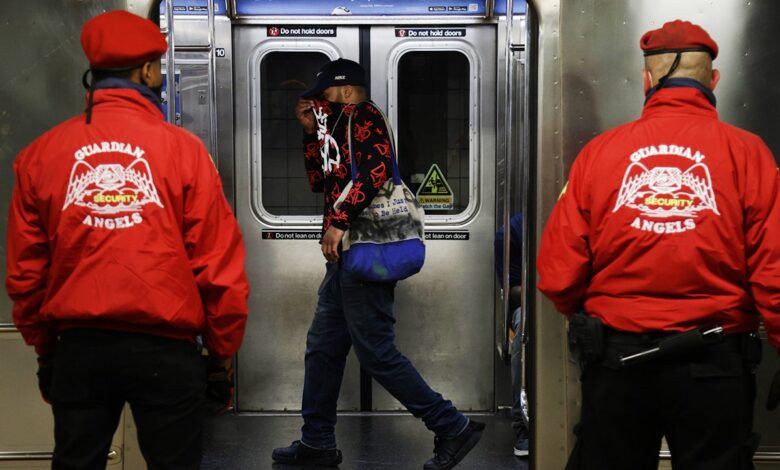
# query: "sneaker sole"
{"type": "Point", "coordinates": [521, 453]}
{"type": "Point", "coordinates": [294, 461]}
{"type": "Point", "coordinates": [470, 443]}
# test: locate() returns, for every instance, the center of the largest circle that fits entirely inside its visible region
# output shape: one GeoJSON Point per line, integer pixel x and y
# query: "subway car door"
{"type": "Point", "coordinates": [437, 84]}
{"type": "Point", "coordinates": [279, 215]}
{"type": "Point", "coordinates": [202, 95]}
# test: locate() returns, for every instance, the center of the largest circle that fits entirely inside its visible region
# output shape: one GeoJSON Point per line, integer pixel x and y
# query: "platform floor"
{"type": "Point", "coordinates": [368, 442]}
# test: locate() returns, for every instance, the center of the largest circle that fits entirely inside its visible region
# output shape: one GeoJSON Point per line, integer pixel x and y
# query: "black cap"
{"type": "Point", "coordinates": [337, 73]}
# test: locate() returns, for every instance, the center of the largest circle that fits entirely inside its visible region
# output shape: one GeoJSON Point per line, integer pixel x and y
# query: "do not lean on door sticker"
{"type": "Point", "coordinates": [434, 192]}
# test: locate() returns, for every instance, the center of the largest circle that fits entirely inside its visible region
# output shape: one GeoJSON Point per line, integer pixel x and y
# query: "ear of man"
{"type": "Point", "coordinates": [354, 94]}
{"type": "Point", "coordinates": [149, 74]}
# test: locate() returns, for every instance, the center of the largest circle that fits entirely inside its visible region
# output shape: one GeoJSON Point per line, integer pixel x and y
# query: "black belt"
{"type": "Point", "coordinates": [629, 348]}
{"type": "Point", "coordinates": [102, 337]}
{"type": "Point", "coordinates": [651, 338]}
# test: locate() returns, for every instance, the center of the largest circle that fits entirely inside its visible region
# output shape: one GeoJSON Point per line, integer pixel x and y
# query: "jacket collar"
{"type": "Point", "coordinates": [681, 82]}
{"type": "Point", "coordinates": [128, 97]}
{"type": "Point", "coordinates": [679, 100]}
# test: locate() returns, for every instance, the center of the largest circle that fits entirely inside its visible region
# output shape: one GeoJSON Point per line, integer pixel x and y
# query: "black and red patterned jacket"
{"type": "Point", "coordinates": [328, 160]}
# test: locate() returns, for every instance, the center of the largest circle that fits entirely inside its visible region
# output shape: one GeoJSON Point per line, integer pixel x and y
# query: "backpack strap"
{"type": "Point", "coordinates": [353, 160]}
{"type": "Point", "coordinates": [391, 138]}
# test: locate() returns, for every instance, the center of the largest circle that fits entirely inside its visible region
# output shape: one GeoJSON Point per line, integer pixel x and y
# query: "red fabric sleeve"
{"type": "Point", "coordinates": [564, 261]}
{"type": "Point", "coordinates": [27, 263]}
{"type": "Point", "coordinates": [371, 145]}
{"type": "Point", "coordinates": [762, 237]}
{"type": "Point", "coordinates": [215, 249]}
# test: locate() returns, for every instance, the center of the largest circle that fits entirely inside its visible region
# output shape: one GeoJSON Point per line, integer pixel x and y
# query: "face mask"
{"type": "Point", "coordinates": [322, 103]}
{"type": "Point", "coordinates": [329, 110]}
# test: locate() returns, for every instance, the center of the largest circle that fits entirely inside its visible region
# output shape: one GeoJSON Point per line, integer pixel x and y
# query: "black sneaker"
{"type": "Point", "coordinates": [300, 453]}
{"type": "Point", "coordinates": [448, 452]}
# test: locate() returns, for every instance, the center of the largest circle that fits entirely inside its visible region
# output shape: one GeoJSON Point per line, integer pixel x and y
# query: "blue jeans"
{"type": "Point", "coordinates": [516, 369]}
{"type": "Point", "coordinates": [351, 312]}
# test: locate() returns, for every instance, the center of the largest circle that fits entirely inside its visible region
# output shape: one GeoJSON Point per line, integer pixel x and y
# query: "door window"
{"type": "Point", "coordinates": [285, 190]}
{"type": "Point", "coordinates": [433, 99]}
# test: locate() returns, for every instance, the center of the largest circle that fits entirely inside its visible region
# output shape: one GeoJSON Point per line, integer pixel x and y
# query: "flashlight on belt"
{"type": "Point", "coordinates": [677, 344]}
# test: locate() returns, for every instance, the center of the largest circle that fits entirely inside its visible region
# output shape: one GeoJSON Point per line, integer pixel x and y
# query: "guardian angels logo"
{"type": "Point", "coordinates": [667, 191]}
{"type": "Point", "coordinates": [113, 186]}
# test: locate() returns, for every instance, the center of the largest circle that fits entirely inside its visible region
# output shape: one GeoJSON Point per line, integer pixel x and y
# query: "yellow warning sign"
{"type": "Point", "coordinates": [434, 192]}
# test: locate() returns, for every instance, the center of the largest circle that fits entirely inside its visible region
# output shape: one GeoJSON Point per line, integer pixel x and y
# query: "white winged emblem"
{"type": "Point", "coordinates": [667, 191]}
{"type": "Point", "coordinates": [112, 188]}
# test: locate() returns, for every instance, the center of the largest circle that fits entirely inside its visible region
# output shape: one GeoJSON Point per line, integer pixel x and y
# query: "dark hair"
{"type": "Point", "coordinates": [98, 75]}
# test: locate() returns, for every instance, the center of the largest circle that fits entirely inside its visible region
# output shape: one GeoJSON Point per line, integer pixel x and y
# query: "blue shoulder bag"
{"type": "Point", "coordinates": [385, 243]}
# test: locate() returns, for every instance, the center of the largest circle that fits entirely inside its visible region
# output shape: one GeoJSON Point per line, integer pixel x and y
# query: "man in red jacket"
{"type": "Point", "coordinates": [668, 224]}
{"type": "Point", "coordinates": [122, 251]}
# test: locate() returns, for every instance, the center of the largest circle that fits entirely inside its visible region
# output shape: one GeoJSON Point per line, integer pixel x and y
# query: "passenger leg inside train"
{"type": "Point", "coordinates": [327, 346]}
{"type": "Point", "coordinates": [519, 401]}
{"type": "Point", "coordinates": [368, 308]}
{"type": "Point", "coordinates": [350, 311]}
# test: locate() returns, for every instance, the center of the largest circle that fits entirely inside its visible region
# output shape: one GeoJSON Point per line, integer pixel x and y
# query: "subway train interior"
{"type": "Point", "coordinates": [491, 107]}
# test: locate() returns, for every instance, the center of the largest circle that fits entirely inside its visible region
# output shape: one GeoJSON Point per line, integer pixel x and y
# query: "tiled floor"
{"type": "Point", "coordinates": [368, 442]}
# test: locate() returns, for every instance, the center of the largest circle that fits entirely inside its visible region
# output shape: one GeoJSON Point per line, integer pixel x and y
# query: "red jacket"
{"type": "Point", "coordinates": [122, 224]}
{"type": "Point", "coordinates": [668, 222]}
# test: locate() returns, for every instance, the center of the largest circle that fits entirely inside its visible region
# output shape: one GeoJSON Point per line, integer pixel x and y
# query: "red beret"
{"type": "Point", "coordinates": [678, 35]}
{"type": "Point", "coordinates": [120, 39]}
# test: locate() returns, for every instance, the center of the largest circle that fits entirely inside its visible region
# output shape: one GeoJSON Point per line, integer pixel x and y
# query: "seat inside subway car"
{"type": "Point", "coordinates": [487, 112]}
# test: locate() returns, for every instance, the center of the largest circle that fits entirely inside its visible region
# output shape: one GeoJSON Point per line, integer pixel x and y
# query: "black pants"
{"type": "Point", "coordinates": [702, 403]}
{"type": "Point", "coordinates": [97, 371]}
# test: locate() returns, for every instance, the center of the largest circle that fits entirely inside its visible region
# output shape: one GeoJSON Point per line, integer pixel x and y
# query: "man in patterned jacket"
{"type": "Point", "coordinates": [669, 224]}
{"type": "Point", "coordinates": [122, 250]}
{"type": "Point", "coordinates": [350, 311]}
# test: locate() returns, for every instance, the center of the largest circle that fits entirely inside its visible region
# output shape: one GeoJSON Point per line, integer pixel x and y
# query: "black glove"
{"type": "Point", "coordinates": [774, 392]}
{"type": "Point", "coordinates": [219, 386]}
{"type": "Point", "coordinates": [45, 373]}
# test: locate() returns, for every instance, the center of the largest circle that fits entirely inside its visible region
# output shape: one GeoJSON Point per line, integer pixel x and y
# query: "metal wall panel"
{"type": "Point", "coordinates": [602, 63]}
{"type": "Point", "coordinates": [40, 84]}
{"type": "Point", "coordinates": [284, 273]}
{"type": "Point", "coordinates": [21, 401]}
{"type": "Point", "coordinates": [589, 80]}
{"type": "Point", "coordinates": [192, 60]}
{"type": "Point", "coordinates": [553, 400]}
{"type": "Point", "coordinates": [445, 313]}
{"type": "Point", "coordinates": [26, 424]}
